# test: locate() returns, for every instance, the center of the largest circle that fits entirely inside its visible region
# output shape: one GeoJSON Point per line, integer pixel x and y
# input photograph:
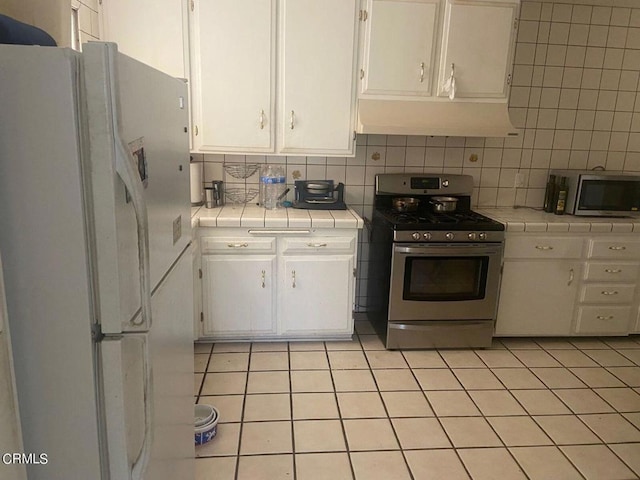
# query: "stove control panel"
{"type": "Point", "coordinates": [443, 236]}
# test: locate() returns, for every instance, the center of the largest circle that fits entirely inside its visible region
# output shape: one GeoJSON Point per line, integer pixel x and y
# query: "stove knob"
{"type": "Point", "coordinates": [472, 236]}
{"type": "Point", "coordinates": [482, 236]}
{"type": "Point", "coordinates": [427, 236]}
{"type": "Point", "coordinates": [415, 236]}
{"type": "Point", "coordinates": [449, 235]}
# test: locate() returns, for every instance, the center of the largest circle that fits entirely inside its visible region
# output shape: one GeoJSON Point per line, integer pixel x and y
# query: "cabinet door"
{"type": "Point", "coordinates": [316, 295]}
{"type": "Point", "coordinates": [317, 76]}
{"type": "Point", "coordinates": [399, 45]}
{"type": "Point", "coordinates": [234, 75]}
{"type": "Point", "coordinates": [478, 40]}
{"type": "Point", "coordinates": [537, 297]}
{"type": "Point", "coordinates": [238, 295]}
{"type": "Point", "coordinates": [152, 31]}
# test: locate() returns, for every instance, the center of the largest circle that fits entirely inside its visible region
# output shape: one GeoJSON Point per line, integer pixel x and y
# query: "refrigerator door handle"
{"type": "Point", "coordinates": [126, 171]}
{"type": "Point", "coordinates": [114, 397]}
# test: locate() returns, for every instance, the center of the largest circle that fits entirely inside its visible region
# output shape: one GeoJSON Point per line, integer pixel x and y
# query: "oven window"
{"type": "Point", "coordinates": [610, 195]}
{"type": "Point", "coordinates": [437, 279]}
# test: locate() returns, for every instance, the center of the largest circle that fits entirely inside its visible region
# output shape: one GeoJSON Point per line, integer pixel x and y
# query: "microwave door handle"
{"type": "Point", "coordinates": [124, 168]}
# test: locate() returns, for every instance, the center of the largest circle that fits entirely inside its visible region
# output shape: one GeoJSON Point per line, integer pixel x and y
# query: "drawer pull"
{"type": "Point", "coordinates": [617, 247]}
{"type": "Point", "coordinates": [571, 276]}
{"type": "Point", "coordinates": [263, 276]}
{"type": "Point", "coordinates": [283, 231]}
{"type": "Point", "coordinates": [237, 245]}
{"type": "Point", "coordinates": [613, 270]}
{"type": "Point", "coordinates": [316, 245]}
{"type": "Point", "coordinates": [293, 279]}
{"type": "Point", "coordinates": [605, 317]}
{"type": "Point", "coordinates": [605, 292]}
{"type": "Point", "coordinates": [544, 247]}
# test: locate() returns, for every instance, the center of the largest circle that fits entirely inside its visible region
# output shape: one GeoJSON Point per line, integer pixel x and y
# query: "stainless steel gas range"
{"type": "Point", "coordinates": [433, 275]}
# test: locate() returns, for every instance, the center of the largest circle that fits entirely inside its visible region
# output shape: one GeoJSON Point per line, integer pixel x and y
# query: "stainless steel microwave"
{"type": "Point", "coordinates": [601, 194]}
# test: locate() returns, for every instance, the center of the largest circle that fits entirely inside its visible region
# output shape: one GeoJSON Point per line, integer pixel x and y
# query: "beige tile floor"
{"type": "Point", "coordinates": [538, 409]}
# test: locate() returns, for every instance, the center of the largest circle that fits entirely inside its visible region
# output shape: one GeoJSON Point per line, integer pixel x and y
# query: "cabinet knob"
{"type": "Point", "coordinates": [262, 119]}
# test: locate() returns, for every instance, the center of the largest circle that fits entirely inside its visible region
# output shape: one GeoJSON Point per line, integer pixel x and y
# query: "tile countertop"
{"type": "Point", "coordinates": [249, 215]}
{"type": "Point", "coordinates": [531, 220]}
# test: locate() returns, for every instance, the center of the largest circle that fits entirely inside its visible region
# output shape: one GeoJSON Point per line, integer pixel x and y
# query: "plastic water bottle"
{"type": "Point", "coordinates": [272, 185]}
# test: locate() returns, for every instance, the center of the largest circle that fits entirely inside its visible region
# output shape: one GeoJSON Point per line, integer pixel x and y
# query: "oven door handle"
{"type": "Point", "coordinates": [450, 250]}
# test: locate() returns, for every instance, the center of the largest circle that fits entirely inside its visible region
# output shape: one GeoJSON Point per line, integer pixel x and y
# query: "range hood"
{"type": "Point", "coordinates": [435, 118]}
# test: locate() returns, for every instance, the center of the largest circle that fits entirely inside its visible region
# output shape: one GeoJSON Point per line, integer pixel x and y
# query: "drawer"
{"type": "Point", "coordinates": [319, 245]}
{"type": "Point", "coordinates": [607, 293]}
{"type": "Point", "coordinates": [543, 247]}
{"type": "Point", "coordinates": [612, 272]}
{"type": "Point", "coordinates": [236, 245]}
{"type": "Point", "coordinates": [627, 247]}
{"type": "Point", "coordinates": [600, 320]}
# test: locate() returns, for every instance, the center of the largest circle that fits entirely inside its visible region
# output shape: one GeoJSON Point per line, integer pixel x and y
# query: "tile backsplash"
{"type": "Point", "coordinates": [574, 98]}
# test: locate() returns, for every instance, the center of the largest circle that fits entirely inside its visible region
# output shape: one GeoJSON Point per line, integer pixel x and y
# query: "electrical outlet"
{"type": "Point", "coordinates": [520, 180]}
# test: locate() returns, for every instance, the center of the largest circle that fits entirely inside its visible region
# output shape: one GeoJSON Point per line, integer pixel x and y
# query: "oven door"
{"type": "Point", "coordinates": [444, 282]}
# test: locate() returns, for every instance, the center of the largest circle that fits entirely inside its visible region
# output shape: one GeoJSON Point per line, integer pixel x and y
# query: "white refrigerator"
{"type": "Point", "coordinates": [95, 234]}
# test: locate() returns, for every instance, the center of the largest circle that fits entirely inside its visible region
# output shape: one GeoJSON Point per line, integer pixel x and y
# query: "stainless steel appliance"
{"type": "Point", "coordinates": [319, 195]}
{"type": "Point", "coordinates": [97, 262]}
{"type": "Point", "coordinates": [601, 194]}
{"type": "Point", "coordinates": [433, 276]}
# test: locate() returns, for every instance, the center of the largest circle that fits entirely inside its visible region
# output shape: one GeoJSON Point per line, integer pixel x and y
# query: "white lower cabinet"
{"type": "Point", "coordinates": [569, 284]}
{"type": "Point", "coordinates": [277, 287]}
{"type": "Point", "coordinates": [317, 293]}
{"type": "Point", "coordinates": [239, 295]}
{"type": "Point", "coordinates": [537, 297]}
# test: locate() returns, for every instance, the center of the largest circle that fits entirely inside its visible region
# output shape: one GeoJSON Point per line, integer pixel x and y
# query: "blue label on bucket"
{"type": "Point", "coordinates": [272, 179]}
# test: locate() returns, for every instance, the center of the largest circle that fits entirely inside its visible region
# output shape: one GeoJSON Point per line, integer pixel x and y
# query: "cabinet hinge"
{"type": "Point", "coordinates": [509, 79]}
{"type": "Point", "coordinates": [199, 273]}
{"type": "Point", "coordinates": [363, 15]}
{"type": "Point", "coordinates": [202, 317]}
{"type": "Point", "coordinates": [361, 74]}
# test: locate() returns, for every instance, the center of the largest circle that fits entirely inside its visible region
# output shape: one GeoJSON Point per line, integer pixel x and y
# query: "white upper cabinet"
{"type": "Point", "coordinates": [152, 31]}
{"type": "Point", "coordinates": [234, 69]}
{"type": "Point", "coordinates": [409, 47]}
{"type": "Point", "coordinates": [477, 47]}
{"type": "Point", "coordinates": [238, 79]}
{"type": "Point", "coordinates": [400, 40]}
{"type": "Point", "coordinates": [317, 76]}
